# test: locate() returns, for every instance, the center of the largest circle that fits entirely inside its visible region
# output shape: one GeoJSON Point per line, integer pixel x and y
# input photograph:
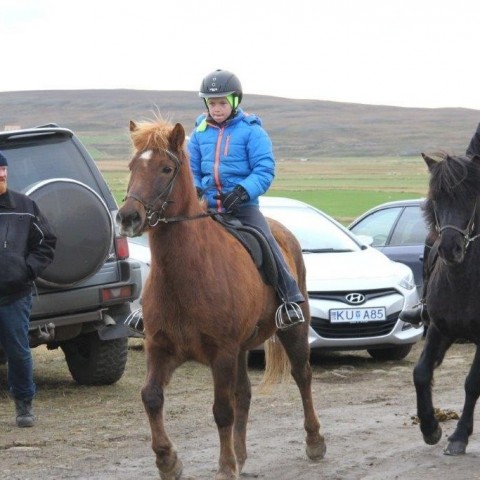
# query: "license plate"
{"type": "Point", "coordinates": [357, 315]}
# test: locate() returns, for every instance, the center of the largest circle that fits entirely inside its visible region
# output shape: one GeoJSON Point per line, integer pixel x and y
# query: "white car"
{"type": "Point", "coordinates": [140, 250]}
{"type": "Point", "coordinates": [355, 292]}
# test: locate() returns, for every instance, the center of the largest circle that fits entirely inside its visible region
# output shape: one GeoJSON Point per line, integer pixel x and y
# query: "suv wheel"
{"type": "Point", "coordinates": [93, 361]}
{"type": "Point", "coordinates": [390, 353]}
{"type": "Point", "coordinates": [3, 357]}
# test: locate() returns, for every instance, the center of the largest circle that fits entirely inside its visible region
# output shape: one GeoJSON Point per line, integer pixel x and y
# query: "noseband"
{"type": "Point", "coordinates": [155, 216]}
{"type": "Point", "coordinates": [467, 233]}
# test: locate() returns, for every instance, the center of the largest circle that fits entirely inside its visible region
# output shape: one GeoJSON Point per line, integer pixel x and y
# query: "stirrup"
{"type": "Point", "coordinates": [134, 322]}
{"type": "Point", "coordinates": [288, 314]}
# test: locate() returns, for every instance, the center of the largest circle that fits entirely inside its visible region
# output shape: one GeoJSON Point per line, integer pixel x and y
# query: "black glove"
{"type": "Point", "coordinates": [199, 192]}
{"type": "Point", "coordinates": [231, 201]}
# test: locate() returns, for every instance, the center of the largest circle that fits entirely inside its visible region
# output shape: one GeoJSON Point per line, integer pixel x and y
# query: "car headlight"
{"type": "Point", "coordinates": [407, 282]}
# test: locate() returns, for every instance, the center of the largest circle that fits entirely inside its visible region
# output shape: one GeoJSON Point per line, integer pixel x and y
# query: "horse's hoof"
{"type": "Point", "coordinates": [175, 473]}
{"type": "Point", "coordinates": [433, 438]}
{"type": "Point", "coordinates": [240, 465]}
{"type": "Point", "coordinates": [455, 448]}
{"type": "Point", "coordinates": [316, 452]}
{"type": "Point", "coordinates": [226, 476]}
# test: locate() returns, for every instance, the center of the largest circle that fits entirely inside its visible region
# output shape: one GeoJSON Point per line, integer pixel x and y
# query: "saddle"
{"type": "Point", "coordinates": [256, 245]}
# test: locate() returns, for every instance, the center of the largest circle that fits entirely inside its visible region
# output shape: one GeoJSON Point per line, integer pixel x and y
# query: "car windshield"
{"type": "Point", "coordinates": [315, 232]}
{"type": "Point", "coordinates": [34, 160]}
{"type": "Point", "coordinates": [378, 225]}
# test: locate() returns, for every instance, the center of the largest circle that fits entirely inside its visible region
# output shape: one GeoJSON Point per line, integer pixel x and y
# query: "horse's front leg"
{"type": "Point", "coordinates": [224, 370]}
{"type": "Point", "coordinates": [243, 396]}
{"type": "Point", "coordinates": [458, 441]}
{"type": "Point", "coordinates": [160, 367]}
{"type": "Point", "coordinates": [432, 355]}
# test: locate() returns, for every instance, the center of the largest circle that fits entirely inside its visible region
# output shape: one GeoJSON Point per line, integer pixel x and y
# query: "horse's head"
{"type": "Point", "coordinates": [451, 206]}
{"type": "Point", "coordinates": [160, 178]}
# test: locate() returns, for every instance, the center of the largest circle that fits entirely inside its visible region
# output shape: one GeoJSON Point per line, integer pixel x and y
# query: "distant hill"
{"type": "Point", "coordinates": [299, 128]}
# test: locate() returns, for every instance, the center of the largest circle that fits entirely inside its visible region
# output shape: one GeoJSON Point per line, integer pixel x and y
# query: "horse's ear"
{"type": "Point", "coordinates": [133, 126]}
{"type": "Point", "coordinates": [177, 137]}
{"type": "Point", "coordinates": [429, 161]}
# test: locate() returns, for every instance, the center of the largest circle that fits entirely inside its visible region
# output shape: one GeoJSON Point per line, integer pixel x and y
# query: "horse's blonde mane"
{"type": "Point", "coordinates": [153, 134]}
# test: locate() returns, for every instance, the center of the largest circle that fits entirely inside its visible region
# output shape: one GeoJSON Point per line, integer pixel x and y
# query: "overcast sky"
{"type": "Point", "coordinates": [415, 53]}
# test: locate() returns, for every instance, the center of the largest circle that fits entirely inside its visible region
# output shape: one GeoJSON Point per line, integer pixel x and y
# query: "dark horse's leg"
{"type": "Point", "coordinates": [295, 343]}
{"type": "Point", "coordinates": [243, 396]}
{"type": "Point", "coordinates": [458, 441]}
{"type": "Point", "coordinates": [160, 367]}
{"type": "Point", "coordinates": [432, 355]}
{"type": "Point", "coordinates": [224, 370]}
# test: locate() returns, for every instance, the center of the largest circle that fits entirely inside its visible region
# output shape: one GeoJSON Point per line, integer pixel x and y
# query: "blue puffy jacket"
{"type": "Point", "coordinates": [237, 153]}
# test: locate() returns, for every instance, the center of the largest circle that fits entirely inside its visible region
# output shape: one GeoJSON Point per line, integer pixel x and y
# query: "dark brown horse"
{"type": "Point", "coordinates": [205, 301]}
{"type": "Point", "coordinates": [452, 210]}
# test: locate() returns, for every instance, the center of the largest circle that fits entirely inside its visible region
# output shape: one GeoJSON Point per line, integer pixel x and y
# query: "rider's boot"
{"type": "Point", "coordinates": [416, 315]}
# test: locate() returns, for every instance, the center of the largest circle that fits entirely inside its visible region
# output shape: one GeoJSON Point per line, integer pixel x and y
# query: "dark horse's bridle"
{"type": "Point", "coordinates": [466, 233]}
{"type": "Point", "coordinates": [155, 216]}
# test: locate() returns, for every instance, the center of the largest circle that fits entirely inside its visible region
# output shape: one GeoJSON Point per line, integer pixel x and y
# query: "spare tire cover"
{"type": "Point", "coordinates": [83, 226]}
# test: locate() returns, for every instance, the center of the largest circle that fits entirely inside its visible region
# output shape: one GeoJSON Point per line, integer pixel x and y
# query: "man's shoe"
{"type": "Point", "coordinates": [25, 416]}
{"type": "Point", "coordinates": [416, 315]}
{"type": "Point", "coordinates": [288, 315]}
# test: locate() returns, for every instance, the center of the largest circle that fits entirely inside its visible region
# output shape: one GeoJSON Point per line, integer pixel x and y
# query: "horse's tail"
{"type": "Point", "coordinates": [277, 365]}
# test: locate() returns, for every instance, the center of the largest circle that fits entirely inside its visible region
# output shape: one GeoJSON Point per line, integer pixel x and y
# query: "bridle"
{"type": "Point", "coordinates": [467, 233]}
{"type": "Point", "coordinates": [155, 216]}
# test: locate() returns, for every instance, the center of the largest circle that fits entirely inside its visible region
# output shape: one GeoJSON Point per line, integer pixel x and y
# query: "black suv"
{"type": "Point", "coordinates": [82, 299]}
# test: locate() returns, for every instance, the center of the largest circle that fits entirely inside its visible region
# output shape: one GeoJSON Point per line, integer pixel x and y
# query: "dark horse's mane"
{"type": "Point", "coordinates": [454, 177]}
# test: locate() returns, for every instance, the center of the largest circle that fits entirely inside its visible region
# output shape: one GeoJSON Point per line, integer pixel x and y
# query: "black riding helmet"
{"type": "Point", "coordinates": [221, 83]}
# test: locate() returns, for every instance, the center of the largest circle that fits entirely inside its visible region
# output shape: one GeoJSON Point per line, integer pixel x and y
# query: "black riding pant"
{"type": "Point", "coordinates": [251, 216]}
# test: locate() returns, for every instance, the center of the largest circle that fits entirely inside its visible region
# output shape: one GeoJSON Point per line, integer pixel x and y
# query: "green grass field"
{"type": "Point", "coordinates": [342, 187]}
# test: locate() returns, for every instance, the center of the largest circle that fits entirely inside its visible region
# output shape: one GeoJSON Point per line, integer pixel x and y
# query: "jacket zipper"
{"type": "Point", "coordinates": [227, 145]}
{"type": "Point", "coordinates": [216, 167]}
{"type": "Point", "coordinates": [6, 235]}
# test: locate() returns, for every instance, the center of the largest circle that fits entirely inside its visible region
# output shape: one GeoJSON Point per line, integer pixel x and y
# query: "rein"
{"type": "Point", "coordinates": [179, 218]}
{"type": "Point", "coordinates": [154, 217]}
{"type": "Point", "coordinates": [466, 233]}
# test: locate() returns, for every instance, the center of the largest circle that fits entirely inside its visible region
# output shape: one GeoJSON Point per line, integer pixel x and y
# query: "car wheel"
{"type": "Point", "coordinates": [93, 361]}
{"type": "Point", "coordinates": [390, 353]}
{"type": "Point", "coordinates": [83, 226]}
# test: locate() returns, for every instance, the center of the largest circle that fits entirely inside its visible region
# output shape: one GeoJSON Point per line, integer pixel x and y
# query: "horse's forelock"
{"type": "Point", "coordinates": [151, 135]}
{"type": "Point", "coordinates": [456, 178]}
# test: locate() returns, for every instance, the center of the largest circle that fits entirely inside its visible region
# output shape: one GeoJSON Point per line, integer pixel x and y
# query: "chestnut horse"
{"type": "Point", "coordinates": [205, 301]}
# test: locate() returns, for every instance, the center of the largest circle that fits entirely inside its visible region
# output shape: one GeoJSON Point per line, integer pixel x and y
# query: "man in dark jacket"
{"type": "Point", "coordinates": [27, 246]}
{"type": "Point", "coordinates": [474, 145]}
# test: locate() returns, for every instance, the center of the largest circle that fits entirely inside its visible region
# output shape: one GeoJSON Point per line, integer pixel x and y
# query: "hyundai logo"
{"type": "Point", "coordinates": [355, 298]}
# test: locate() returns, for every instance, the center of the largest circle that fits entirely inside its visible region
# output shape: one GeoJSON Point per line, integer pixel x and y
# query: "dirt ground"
{"type": "Point", "coordinates": [366, 408]}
